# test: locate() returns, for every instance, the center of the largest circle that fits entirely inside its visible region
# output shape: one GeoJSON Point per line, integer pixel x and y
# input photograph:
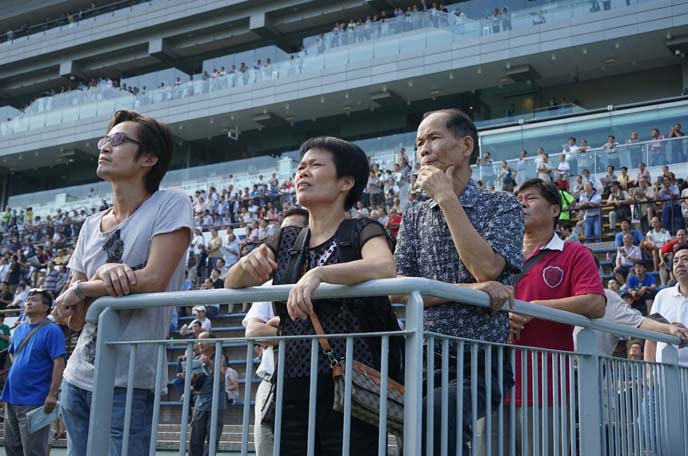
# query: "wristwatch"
{"type": "Point", "coordinates": [79, 294]}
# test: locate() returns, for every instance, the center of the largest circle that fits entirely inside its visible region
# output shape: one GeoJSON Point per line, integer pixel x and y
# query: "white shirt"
{"type": "Point", "coordinates": [616, 311]}
{"type": "Point", "coordinates": [262, 311]}
{"type": "Point", "coordinates": [563, 167]}
{"type": "Point", "coordinates": [673, 306]}
{"type": "Point", "coordinates": [659, 238]}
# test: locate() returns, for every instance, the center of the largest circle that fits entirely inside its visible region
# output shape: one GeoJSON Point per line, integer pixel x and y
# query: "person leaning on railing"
{"type": "Point", "coordinates": [559, 275]}
{"type": "Point", "coordinates": [137, 246]}
{"type": "Point", "coordinates": [329, 181]}
{"type": "Point", "coordinates": [465, 236]}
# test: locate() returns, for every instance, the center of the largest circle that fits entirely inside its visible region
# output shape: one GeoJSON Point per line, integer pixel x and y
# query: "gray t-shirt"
{"type": "Point", "coordinates": [164, 212]}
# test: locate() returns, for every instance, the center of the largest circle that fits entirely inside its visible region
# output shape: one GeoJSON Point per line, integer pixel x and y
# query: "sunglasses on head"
{"type": "Point", "coordinates": [41, 291]}
{"type": "Point", "coordinates": [115, 140]}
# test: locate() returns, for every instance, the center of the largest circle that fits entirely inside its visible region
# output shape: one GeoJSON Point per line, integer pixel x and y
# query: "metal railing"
{"type": "Point", "coordinates": [587, 382]}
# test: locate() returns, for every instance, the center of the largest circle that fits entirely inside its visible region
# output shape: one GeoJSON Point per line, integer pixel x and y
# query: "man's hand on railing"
{"type": "Point", "coordinates": [517, 322]}
{"type": "Point", "coordinates": [499, 293]}
{"type": "Point", "coordinates": [118, 278]}
{"type": "Point", "coordinates": [679, 330]}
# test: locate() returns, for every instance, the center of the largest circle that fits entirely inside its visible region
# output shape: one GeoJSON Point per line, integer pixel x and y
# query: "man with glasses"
{"type": "Point", "coordinates": [37, 350]}
{"type": "Point", "coordinates": [135, 246]}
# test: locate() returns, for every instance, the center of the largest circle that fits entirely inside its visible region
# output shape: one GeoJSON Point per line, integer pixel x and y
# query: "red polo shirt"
{"type": "Point", "coordinates": [568, 269]}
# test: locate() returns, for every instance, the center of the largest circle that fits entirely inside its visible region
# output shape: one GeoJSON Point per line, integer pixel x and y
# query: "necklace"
{"type": "Point", "coordinates": [132, 212]}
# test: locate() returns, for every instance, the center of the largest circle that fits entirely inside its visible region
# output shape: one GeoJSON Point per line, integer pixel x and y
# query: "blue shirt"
{"type": "Point", "coordinates": [637, 238]}
{"type": "Point", "coordinates": [634, 283]}
{"type": "Point", "coordinates": [28, 382]}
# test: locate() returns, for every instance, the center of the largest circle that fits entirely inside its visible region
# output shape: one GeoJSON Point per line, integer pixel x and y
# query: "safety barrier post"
{"type": "Point", "coordinates": [413, 375]}
{"type": "Point", "coordinates": [669, 395]}
{"type": "Point", "coordinates": [589, 393]}
{"type": "Point", "coordinates": [104, 383]}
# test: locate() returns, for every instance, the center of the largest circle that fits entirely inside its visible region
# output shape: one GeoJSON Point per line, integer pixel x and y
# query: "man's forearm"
{"type": "Point", "coordinates": [56, 380]}
{"type": "Point", "coordinates": [588, 305]}
{"type": "Point", "coordinates": [480, 259]}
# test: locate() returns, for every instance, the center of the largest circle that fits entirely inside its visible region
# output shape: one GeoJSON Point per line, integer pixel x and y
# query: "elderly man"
{"type": "Point", "coordinates": [466, 236]}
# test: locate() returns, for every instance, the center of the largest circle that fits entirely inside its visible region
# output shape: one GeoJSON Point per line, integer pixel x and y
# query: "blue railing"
{"type": "Point", "coordinates": [583, 382]}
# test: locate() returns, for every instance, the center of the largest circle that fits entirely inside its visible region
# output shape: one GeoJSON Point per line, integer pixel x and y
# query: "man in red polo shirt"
{"type": "Point", "coordinates": [557, 274]}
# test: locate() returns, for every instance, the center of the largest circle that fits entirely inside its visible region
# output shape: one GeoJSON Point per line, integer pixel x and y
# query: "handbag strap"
{"type": "Point", "coordinates": [323, 341]}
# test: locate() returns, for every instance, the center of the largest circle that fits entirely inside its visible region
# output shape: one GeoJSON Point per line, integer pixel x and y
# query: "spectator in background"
{"type": "Point", "coordinates": [214, 252]}
{"type": "Point", "coordinates": [654, 240]}
{"type": "Point", "coordinates": [590, 201]}
{"type": "Point", "coordinates": [203, 384]}
{"type": "Point", "coordinates": [4, 341]}
{"type": "Point", "coordinates": [643, 173]}
{"type": "Point", "coordinates": [625, 180]}
{"type": "Point", "coordinates": [626, 228]}
{"type": "Point", "coordinates": [393, 222]}
{"type": "Point", "coordinates": [6, 297]}
{"type": "Point", "coordinates": [619, 200]}
{"type": "Point", "coordinates": [627, 256]}
{"type": "Point", "coordinates": [521, 168]}
{"type": "Point", "coordinates": [201, 315]}
{"type": "Point", "coordinates": [644, 195]}
{"type": "Point", "coordinates": [672, 216]}
{"type": "Point", "coordinates": [19, 297]}
{"type": "Point", "coordinates": [231, 385]}
{"type": "Point", "coordinates": [231, 250]}
{"type": "Point", "coordinates": [544, 169]}
{"type": "Point", "coordinates": [642, 287]}
{"type": "Point", "coordinates": [52, 276]}
{"type": "Point", "coordinates": [563, 169]}
{"type": "Point", "coordinates": [34, 378]}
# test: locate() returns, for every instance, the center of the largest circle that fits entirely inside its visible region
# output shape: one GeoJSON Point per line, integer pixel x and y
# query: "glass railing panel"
{"type": "Point", "coordinates": [37, 121]}
{"type": "Point", "coordinates": [70, 115]}
{"type": "Point", "coordinates": [20, 124]}
{"type": "Point", "coordinates": [53, 118]}
{"type": "Point", "coordinates": [105, 107]}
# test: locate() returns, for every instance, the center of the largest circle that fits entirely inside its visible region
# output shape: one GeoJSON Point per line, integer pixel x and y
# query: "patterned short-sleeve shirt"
{"type": "Point", "coordinates": [425, 249]}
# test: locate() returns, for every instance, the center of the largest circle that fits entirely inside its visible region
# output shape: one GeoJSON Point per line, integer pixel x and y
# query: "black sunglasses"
{"type": "Point", "coordinates": [115, 140]}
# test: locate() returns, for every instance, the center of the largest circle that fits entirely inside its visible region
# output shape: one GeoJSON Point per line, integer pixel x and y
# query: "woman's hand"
{"type": "Point", "coordinates": [299, 304]}
{"type": "Point", "coordinates": [119, 278]}
{"type": "Point", "coordinates": [259, 264]}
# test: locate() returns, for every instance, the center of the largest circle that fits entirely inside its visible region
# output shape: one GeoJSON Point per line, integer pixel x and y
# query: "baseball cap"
{"type": "Point", "coordinates": [199, 308]}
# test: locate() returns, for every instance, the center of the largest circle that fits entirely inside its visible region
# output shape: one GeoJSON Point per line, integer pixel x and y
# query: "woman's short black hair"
{"type": "Point", "coordinates": [349, 160]}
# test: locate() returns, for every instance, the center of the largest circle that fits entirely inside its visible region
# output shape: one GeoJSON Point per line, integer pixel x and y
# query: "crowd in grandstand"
{"type": "Point", "coordinates": [146, 242]}
{"type": "Point", "coordinates": [343, 33]}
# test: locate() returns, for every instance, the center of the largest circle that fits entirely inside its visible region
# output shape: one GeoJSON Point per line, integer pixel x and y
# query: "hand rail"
{"type": "Point", "coordinates": [381, 287]}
